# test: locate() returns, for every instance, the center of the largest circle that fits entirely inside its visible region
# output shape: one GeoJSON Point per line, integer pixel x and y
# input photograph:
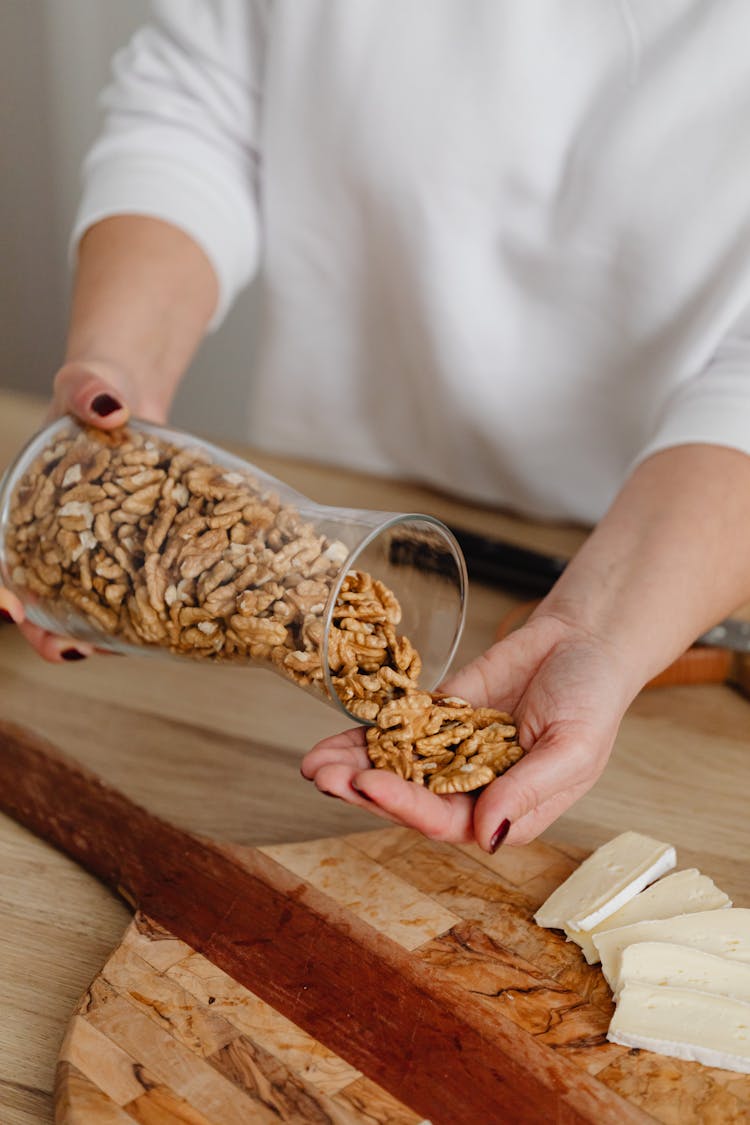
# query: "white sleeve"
{"type": "Point", "coordinates": [180, 138]}
{"type": "Point", "coordinates": [712, 407]}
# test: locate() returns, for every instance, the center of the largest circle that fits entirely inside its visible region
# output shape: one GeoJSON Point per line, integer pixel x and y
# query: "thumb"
{"type": "Point", "coordinates": [94, 392]}
{"type": "Point", "coordinates": [556, 771]}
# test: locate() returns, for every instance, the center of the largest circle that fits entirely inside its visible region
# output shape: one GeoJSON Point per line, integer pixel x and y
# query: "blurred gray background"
{"type": "Point", "coordinates": [54, 60]}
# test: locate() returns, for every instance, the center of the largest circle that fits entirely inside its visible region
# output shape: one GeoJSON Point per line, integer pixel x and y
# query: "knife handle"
{"type": "Point", "coordinates": [496, 562]}
{"type": "Point", "coordinates": [701, 664]}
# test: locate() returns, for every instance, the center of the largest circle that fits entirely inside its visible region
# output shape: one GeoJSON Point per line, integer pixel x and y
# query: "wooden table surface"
{"type": "Point", "coordinates": [217, 750]}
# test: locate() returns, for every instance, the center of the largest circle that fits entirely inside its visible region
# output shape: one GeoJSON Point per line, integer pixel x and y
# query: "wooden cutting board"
{"type": "Point", "coordinates": [377, 978]}
{"type": "Point", "coordinates": [163, 1035]}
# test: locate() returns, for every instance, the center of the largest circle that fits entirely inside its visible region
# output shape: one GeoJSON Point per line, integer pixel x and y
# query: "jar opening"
{"type": "Point", "coordinates": [419, 560]}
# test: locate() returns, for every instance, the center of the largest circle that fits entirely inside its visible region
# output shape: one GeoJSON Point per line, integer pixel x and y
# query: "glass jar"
{"type": "Point", "coordinates": [147, 539]}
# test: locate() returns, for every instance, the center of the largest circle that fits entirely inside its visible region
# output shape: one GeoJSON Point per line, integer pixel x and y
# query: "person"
{"type": "Point", "coordinates": [504, 250]}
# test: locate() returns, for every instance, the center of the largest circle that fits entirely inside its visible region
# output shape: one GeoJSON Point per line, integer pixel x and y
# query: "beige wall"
{"type": "Point", "coordinates": [54, 58]}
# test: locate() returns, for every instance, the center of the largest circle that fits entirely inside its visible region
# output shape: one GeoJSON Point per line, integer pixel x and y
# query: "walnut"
{"type": "Point", "coordinates": [75, 515]}
{"type": "Point", "coordinates": [142, 502]}
{"type": "Point", "coordinates": [366, 709]}
{"type": "Point", "coordinates": [485, 716]}
{"type": "Point", "coordinates": [157, 581]}
{"type": "Point", "coordinates": [499, 758]}
{"type": "Point", "coordinates": [407, 713]}
{"type": "Point", "coordinates": [259, 630]}
{"type": "Point", "coordinates": [90, 494]}
{"type": "Point", "coordinates": [158, 530]}
{"type": "Point", "coordinates": [460, 777]}
{"type": "Point", "coordinates": [450, 734]}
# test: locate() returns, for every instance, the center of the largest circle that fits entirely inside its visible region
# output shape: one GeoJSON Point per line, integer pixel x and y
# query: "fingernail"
{"type": "Point", "coordinates": [72, 654]}
{"type": "Point", "coordinates": [499, 836]}
{"type": "Point", "coordinates": [105, 404]}
{"type": "Point", "coordinates": [327, 794]}
{"type": "Point", "coordinates": [5, 616]}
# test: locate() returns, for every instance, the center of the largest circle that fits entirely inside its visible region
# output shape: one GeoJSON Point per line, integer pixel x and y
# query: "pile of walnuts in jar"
{"type": "Point", "coordinates": [152, 544]}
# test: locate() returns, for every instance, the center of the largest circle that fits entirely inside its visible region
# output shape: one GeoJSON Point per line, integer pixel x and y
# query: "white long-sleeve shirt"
{"type": "Point", "coordinates": [504, 248]}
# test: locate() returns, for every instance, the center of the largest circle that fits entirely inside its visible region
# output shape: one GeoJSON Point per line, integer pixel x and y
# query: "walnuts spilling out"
{"type": "Point", "coordinates": [154, 544]}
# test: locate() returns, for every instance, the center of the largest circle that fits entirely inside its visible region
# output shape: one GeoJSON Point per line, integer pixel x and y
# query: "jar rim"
{"type": "Point", "coordinates": [393, 519]}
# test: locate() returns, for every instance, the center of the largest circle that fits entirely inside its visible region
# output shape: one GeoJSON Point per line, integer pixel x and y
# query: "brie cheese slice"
{"type": "Point", "coordinates": [683, 892]}
{"type": "Point", "coordinates": [664, 965]}
{"type": "Point", "coordinates": [725, 933]}
{"type": "Point", "coordinates": [604, 882]}
{"type": "Point", "coordinates": [684, 1024]}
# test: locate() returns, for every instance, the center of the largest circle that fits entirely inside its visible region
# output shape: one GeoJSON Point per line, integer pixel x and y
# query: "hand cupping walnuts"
{"type": "Point", "coordinates": [153, 544]}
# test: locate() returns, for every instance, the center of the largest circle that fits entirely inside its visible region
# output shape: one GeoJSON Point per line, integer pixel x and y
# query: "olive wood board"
{"type": "Point", "coordinates": [376, 978]}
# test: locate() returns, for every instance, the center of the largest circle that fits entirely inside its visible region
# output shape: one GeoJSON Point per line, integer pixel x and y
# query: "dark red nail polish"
{"type": "Point", "coordinates": [5, 616]}
{"type": "Point", "coordinates": [499, 836]}
{"type": "Point", "coordinates": [72, 654]}
{"type": "Point", "coordinates": [105, 404]}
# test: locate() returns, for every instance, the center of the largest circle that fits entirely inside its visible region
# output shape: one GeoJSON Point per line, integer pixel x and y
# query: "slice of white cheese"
{"type": "Point", "coordinates": [605, 881]}
{"type": "Point", "coordinates": [684, 1025]}
{"type": "Point", "coordinates": [662, 964]}
{"type": "Point", "coordinates": [725, 933]}
{"type": "Point", "coordinates": [683, 892]}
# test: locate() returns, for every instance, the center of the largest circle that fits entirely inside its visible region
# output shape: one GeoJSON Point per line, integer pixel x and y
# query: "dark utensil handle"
{"type": "Point", "coordinates": [496, 562]}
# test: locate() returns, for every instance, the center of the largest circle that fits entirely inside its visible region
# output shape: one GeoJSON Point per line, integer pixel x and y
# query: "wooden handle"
{"type": "Point", "coordinates": [701, 664]}
{"type": "Point", "coordinates": [386, 1012]}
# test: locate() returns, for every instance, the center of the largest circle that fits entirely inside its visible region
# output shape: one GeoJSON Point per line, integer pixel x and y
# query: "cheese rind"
{"type": "Point", "coordinates": [605, 881]}
{"type": "Point", "coordinates": [684, 1025]}
{"type": "Point", "coordinates": [725, 933]}
{"type": "Point", "coordinates": [664, 965]}
{"type": "Point", "coordinates": [683, 892]}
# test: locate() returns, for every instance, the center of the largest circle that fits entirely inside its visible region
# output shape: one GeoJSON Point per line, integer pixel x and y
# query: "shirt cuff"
{"type": "Point", "coordinates": [713, 409]}
{"type": "Point", "coordinates": [219, 217]}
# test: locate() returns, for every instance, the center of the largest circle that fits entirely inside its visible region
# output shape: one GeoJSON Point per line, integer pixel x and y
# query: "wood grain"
{"type": "Point", "coordinates": [353, 989]}
{"type": "Point", "coordinates": [160, 1016]}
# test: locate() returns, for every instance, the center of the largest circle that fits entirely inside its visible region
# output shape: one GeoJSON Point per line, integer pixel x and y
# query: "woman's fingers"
{"type": "Point", "coordinates": [340, 766]}
{"type": "Point", "coordinates": [534, 823]}
{"type": "Point", "coordinates": [92, 393]}
{"type": "Point", "coordinates": [348, 748]}
{"type": "Point", "coordinates": [335, 780]}
{"type": "Point", "coordinates": [11, 607]}
{"type": "Point", "coordinates": [500, 676]}
{"type": "Point", "coordinates": [95, 393]}
{"type": "Point", "coordinates": [530, 796]}
{"type": "Point", "coordinates": [55, 649]}
{"type": "Point", "coordinates": [334, 763]}
{"type": "Point", "coordinates": [437, 817]}
{"type": "Point", "coordinates": [560, 768]}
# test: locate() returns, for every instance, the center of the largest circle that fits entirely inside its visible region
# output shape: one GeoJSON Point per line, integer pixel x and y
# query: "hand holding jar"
{"type": "Point", "coordinates": [97, 394]}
